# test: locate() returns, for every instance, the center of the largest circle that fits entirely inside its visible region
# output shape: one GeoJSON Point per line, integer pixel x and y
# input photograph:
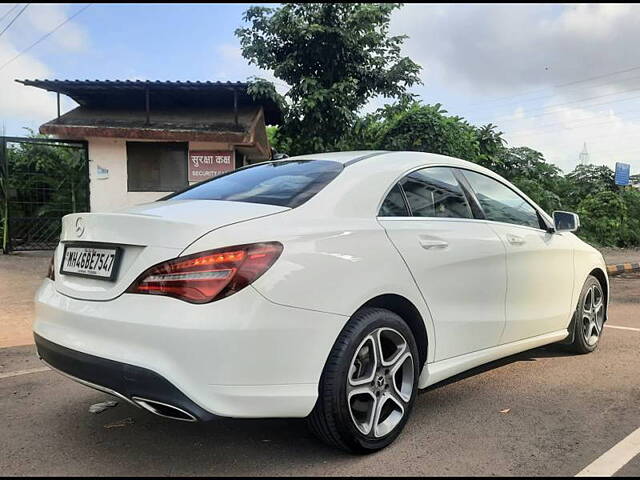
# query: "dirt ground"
{"type": "Point", "coordinates": [620, 255]}
{"type": "Point", "coordinates": [20, 277]}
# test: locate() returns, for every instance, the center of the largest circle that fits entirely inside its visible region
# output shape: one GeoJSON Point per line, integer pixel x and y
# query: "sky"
{"type": "Point", "coordinates": [551, 77]}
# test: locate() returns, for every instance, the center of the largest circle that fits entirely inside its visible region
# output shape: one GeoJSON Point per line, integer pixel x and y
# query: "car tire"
{"type": "Point", "coordinates": [589, 317]}
{"type": "Point", "coordinates": [364, 401]}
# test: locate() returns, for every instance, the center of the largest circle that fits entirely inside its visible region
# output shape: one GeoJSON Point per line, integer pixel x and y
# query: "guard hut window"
{"type": "Point", "coordinates": [156, 166]}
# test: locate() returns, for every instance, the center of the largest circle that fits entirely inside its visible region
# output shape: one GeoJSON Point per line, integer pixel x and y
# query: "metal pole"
{"type": "Point", "coordinates": [4, 178]}
{"type": "Point", "coordinates": [235, 106]}
{"type": "Point", "coordinates": [87, 173]}
{"type": "Point", "coordinates": [146, 95]}
{"type": "Point", "coordinates": [58, 99]}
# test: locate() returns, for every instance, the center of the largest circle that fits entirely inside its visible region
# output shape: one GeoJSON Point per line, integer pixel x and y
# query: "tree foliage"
{"type": "Point", "coordinates": [587, 180]}
{"type": "Point", "coordinates": [602, 217]}
{"type": "Point", "coordinates": [490, 142]}
{"type": "Point", "coordinates": [335, 57]}
{"type": "Point", "coordinates": [630, 235]}
{"type": "Point", "coordinates": [527, 169]}
{"type": "Point", "coordinates": [424, 128]}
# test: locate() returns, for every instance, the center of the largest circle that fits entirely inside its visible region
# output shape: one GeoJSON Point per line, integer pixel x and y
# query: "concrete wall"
{"type": "Point", "coordinates": [111, 193]}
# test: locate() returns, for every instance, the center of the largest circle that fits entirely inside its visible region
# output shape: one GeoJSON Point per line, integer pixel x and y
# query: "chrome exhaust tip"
{"type": "Point", "coordinates": [164, 410]}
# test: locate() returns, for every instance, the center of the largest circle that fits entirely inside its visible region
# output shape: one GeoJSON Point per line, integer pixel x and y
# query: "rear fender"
{"type": "Point", "coordinates": [327, 266]}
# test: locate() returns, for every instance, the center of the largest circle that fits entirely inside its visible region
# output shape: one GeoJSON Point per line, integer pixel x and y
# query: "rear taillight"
{"type": "Point", "coordinates": [51, 273]}
{"type": "Point", "coordinates": [208, 276]}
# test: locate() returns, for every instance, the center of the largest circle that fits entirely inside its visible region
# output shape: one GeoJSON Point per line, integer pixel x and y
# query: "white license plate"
{"type": "Point", "coordinates": [94, 262]}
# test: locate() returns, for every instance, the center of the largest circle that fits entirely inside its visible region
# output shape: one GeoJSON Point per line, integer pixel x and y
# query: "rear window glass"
{"type": "Point", "coordinates": [286, 184]}
{"type": "Point", "coordinates": [394, 205]}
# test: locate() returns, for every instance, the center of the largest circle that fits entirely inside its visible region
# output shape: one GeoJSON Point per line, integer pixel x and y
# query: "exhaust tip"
{"type": "Point", "coordinates": [164, 410]}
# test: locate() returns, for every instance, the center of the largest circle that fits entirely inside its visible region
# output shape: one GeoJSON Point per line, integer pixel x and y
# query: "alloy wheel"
{"type": "Point", "coordinates": [380, 382]}
{"type": "Point", "coordinates": [593, 314]}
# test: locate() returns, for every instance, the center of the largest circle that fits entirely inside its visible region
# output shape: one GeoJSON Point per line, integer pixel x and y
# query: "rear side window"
{"type": "Point", "coordinates": [500, 203]}
{"type": "Point", "coordinates": [435, 192]}
{"type": "Point", "coordinates": [394, 205]}
{"type": "Point", "coordinates": [286, 184]}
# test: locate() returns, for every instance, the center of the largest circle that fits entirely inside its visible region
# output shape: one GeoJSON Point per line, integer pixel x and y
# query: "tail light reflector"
{"type": "Point", "coordinates": [208, 276]}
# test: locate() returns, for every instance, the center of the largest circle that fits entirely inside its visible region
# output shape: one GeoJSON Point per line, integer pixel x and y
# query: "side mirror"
{"type": "Point", "coordinates": [565, 221]}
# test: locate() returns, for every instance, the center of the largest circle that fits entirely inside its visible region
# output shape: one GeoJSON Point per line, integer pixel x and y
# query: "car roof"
{"type": "Point", "coordinates": [371, 166]}
{"type": "Point", "coordinates": [341, 157]}
{"type": "Point", "coordinates": [419, 158]}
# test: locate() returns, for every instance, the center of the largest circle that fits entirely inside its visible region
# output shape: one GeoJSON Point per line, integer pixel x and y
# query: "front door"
{"type": "Point", "coordinates": [457, 262]}
{"type": "Point", "coordinates": [539, 263]}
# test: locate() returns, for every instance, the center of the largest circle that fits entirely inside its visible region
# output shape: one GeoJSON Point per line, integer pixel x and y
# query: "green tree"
{"type": "Point", "coordinates": [335, 56]}
{"type": "Point", "coordinates": [278, 142]}
{"type": "Point", "coordinates": [631, 228]}
{"type": "Point", "coordinates": [603, 215]}
{"type": "Point", "coordinates": [365, 132]}
{"type": "Point", "coordinates": [490, 142]}
{"type": "Point", "coordinates": [410, 125]}
{"type": "Point", "coordinates": [587, 180]}
{"type": "Point", "coordinates": [528, 170]}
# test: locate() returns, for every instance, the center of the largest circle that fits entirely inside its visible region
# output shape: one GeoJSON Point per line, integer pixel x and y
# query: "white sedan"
{"type": "Point", "coordinates": [329, 286]}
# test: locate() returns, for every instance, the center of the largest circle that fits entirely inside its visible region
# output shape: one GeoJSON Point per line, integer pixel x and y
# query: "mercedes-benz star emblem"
{"type": "Point", "coordinates": [79, 226]}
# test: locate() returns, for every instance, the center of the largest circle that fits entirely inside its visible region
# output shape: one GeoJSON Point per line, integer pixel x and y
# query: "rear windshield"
{"type": "Point", "coordinates": [286, 183]}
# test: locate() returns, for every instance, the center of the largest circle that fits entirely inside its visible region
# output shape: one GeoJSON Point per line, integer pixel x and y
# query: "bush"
{"type": "Point", "coordinates": [602, 217]}
{"type": "Point", "coordinates": [631, 228]}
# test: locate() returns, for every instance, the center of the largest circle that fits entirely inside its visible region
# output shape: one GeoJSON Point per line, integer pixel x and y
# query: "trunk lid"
{"type": "Point", "coordinates": [146, 234]}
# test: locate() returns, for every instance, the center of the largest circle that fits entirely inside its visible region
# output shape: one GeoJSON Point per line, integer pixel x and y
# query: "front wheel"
{"type": "Point", "coordinates": [369, 383]}
{"type": "Point", "coordinates": [589, 317]}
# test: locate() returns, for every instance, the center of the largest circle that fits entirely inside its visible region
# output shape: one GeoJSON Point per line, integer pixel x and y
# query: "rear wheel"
{"type": "Point", "coordinates": [589, 317]}
{"type": "Point", "coordinates": [369, 383]}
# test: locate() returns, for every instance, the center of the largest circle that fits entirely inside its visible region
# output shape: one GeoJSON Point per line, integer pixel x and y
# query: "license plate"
{"type": "Point", "coordinates": [94, 262]}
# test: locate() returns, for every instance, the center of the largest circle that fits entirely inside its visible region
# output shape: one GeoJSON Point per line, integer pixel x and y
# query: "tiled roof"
{"type": "Point", "coordinates": [55, 83]}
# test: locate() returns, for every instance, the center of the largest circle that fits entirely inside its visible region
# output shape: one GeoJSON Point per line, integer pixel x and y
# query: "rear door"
{"type": "Point", "coordinates": [458, 262]}
{"type": "Point", "coordinates": [539, 263]}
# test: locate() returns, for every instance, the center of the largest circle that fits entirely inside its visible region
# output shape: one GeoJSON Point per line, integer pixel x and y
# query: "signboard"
{"type": "Point", "coordinates": [102, 173]}
{"type": "Point", "coordinates": [622, 173]}
{"type": "Point", "coordinates": [205, 164]}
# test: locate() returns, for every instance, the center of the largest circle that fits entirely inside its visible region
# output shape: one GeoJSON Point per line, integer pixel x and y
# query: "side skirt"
{"type": "Point", "coordinates": [437, 371]}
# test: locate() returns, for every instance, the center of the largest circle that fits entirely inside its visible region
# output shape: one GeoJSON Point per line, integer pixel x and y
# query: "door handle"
{"type": "Point", "coordinates": [433, 244]}
{"type": "Point", "coordinates": [515, 239]}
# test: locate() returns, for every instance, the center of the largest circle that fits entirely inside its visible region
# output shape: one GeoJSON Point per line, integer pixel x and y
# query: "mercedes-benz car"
{"type": "Point", "coordinates": [328, 286]}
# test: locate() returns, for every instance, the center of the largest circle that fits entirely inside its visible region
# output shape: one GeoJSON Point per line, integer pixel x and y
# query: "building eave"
{"type": "Point", "coordinates": [87, 131]}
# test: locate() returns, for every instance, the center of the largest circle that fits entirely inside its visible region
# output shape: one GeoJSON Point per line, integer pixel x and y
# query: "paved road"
{"type": "Point", "coordinates": [565, 411]}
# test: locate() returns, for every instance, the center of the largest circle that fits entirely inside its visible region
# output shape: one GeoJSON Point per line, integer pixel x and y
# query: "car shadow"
{"type": "Point", "coordinates": [548, 351]}
{"type": "Point", "coordinates": [131, 441]}
{"type": "Point", "coordinates": [128, 441]}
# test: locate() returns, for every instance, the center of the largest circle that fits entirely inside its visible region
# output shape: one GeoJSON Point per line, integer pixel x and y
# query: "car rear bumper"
{"type": "Point", "coordinates": [128, 382]}
{"type": "Point", "coordinates": [243, 356]}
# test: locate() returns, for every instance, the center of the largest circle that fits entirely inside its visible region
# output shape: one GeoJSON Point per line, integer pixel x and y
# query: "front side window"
{"type": "Point", "coordinates": [156, 166]}
{"type": "Point", "coordinates": [286, 183]}
{"type": "Point", "coordinates": [435, 192]}
{"type": "Point", "coordinates": [500, 203]}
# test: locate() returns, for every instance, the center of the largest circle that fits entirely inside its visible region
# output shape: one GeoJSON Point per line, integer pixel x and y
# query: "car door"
{"type": "Point", "coordinates": [539, 262]}
{"type": "Point", "coordinates": [458, 262]}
